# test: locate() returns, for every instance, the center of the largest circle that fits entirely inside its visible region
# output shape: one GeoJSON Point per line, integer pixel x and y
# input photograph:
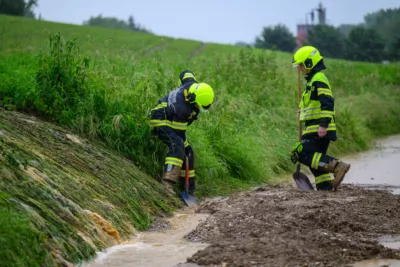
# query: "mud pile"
{"type": "Point", "coordinates": [282, 226]}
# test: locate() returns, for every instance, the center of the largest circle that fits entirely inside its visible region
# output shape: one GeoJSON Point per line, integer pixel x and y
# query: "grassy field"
{"type": "Point", "coordinates": [102, 83]}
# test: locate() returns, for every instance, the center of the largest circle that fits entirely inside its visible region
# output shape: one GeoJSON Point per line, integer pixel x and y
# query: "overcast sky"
{"type": "Point", "coordinates": [220, 21]}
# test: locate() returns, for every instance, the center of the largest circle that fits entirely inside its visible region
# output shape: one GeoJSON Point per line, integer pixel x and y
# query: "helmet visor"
{"type": "Point", "coordinates": [206, 107]}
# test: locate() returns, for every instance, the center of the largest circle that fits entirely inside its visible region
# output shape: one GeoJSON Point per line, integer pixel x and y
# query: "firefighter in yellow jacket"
{"type": "Point", "coordinates": [317, 111]}
{"type": "Point", "coordinates": [170, 119]}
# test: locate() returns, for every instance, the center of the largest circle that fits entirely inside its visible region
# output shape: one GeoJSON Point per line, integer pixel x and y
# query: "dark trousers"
{"type": "Point", "coordinates": [313, 155]}
{"type": "Point", "coordinates": [178, 147]}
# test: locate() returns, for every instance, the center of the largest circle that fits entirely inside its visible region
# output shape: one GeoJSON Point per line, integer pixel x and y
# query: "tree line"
{"type": "Point", "coordinates": [20, 8]}
{"type": "Point", "coordinates": [111, 22]}
{"type": "Point", "coordinates": [24, 8]}
{"type": "Point", "coordinates": [375, 40]}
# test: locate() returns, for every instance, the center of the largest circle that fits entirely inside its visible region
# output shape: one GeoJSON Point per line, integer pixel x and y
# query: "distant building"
{"type": "Point", "coordinates": [302, 33]}
{"type": "Point", "coordinates": [302, 29]}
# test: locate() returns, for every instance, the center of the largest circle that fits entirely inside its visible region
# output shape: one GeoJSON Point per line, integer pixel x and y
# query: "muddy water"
{"type": "Point", "coordinates": [376, 169]}
{"type": "Point", "coordinates": [377, 263]}
{"type": "Point", "coordinates": [162, 247]}
{"type": "Point", "coordinates": [387, 241]}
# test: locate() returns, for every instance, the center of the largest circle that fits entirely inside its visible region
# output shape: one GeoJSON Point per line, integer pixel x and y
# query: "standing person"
{"type": "Point", "coordinates": [170, 119]}
{"type": "Point", "coordinates": [316, 110]}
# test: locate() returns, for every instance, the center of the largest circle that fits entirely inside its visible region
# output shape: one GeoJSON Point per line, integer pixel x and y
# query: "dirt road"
{"type": "Point", "coordinates": [282, 226]}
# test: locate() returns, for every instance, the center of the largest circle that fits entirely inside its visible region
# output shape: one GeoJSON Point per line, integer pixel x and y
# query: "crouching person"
{"type": "Point", "coordinates": [170, 119]}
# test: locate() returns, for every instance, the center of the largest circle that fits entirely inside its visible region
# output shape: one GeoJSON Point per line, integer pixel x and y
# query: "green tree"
{"type": "Point", "coordinates": [279, 37]}
{"type": "Point", "coordinates": [108, 22]}
{"type": "Point", "coordinates": [365, 44]}
{"type": "Point", "coordinates": [328, 39]}
{"type": "Point", "coordinates": [12, 7]}
{"type": "Point", "coordinates": [131, 23]}
{"type": "Point", "coordinates": [111, 22]}
{"type": "Point", "coordinates": [381, 17]}
{"type": "Point", "coordinates": [20, 8]}
{"type": "Point", "coordinates": [386, 23]}
{"type": "Point", "coordinates": [346, 28]}
{"type": "Point", "coordinates": [29, 8]}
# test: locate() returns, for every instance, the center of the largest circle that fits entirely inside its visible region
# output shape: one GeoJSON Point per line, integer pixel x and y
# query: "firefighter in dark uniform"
{"type": "Point", "coordinates": [317, 111]}
{"type": "Point", "coordinates": [170, 119]}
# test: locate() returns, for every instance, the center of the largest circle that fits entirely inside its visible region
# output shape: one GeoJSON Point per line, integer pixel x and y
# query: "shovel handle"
{"type": "Point", "coordinates": [300, 130]}
{"type": "Point", "coordinates": [186, 174]}
{"type": "Point", "coordinates": [299, 98]}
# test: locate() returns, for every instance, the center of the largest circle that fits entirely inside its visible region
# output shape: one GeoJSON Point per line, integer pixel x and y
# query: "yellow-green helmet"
{"type": "Point", "coordinates": [307, 55]}
{"type": "Point", "coordinates": [203, 95]}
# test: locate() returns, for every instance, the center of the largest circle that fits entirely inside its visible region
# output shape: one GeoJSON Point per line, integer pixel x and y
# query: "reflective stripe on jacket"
{"type": "Point", "coordinates": [174, 110]}
{"type": "Point", "coordinates": [317, 106]}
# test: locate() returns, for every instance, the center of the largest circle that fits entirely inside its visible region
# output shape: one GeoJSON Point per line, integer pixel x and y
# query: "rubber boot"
{"type": "Point", "coordinates": [171, 177]}
{"type": "Point", "coordinates": [339, 170]}
{"type": "Point", "coordinates": [327, 186]}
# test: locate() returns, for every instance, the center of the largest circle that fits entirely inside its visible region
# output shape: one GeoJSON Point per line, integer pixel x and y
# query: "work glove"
{"type": "Point", "coordinates": [194, 116]}
{"type": "Point", "coordinates": [296, 151]}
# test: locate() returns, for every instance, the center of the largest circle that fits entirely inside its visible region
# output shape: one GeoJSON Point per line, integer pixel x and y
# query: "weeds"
{"type": "Point", "coordinates": [61, 83]}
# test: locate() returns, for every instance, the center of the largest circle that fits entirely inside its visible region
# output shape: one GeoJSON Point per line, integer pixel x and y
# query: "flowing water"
{"type": "Point", "coordinates": [375, 169]}
{"type": "Point", "coordinates": [155, 248]}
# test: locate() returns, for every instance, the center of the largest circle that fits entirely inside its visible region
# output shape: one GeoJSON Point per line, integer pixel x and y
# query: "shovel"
{"type": "Point", "coordinates": [187, 198]}
{"type": "Point", "coordinates": [300, 178]}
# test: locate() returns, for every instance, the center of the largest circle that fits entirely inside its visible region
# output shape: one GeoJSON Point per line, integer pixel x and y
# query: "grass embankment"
{"type": "Point", "coordinates": [63, 194]}
{"type": "Point", "coordinates": [105, 91]}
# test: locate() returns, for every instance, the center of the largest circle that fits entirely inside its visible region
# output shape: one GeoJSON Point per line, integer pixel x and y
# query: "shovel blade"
{"type": "Point", "coordinates": [302, 181]}
{"type": "Point", "coordinates": [189, 199]}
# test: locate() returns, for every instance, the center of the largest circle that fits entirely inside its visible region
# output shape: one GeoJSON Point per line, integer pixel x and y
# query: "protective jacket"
{"type": "Point", "coordinates": [174, 110]}
{"type": "Point", "coordinates": [317, 104]}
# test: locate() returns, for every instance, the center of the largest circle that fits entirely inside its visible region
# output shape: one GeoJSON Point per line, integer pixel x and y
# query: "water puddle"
{"type": "Point", "coordinates": [377, 263]}
{"type": "Point", "coordinates": [378, 168]}
{"type": "Point", "coordinates": [390, 241]}
{"type": "Point", "coordinates": [164, 248]}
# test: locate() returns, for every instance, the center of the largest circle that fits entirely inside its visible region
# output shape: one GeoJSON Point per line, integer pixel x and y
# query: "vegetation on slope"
{"type": "Point", "coordinates": [105, 88]}
{"type": "Point", "coordinates": [65, 195]}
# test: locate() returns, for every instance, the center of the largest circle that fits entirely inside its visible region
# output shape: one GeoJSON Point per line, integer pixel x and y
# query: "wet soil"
{"type": "Point", "coordinates": [282, 226]}
{"type": "Point", "coordinates": [159, 224]}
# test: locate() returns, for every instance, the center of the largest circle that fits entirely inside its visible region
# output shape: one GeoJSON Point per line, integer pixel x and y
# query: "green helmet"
{"type": "Point", "coordinates": [309, 56]}
{"type": "Point", "coordinates": [203, 95]}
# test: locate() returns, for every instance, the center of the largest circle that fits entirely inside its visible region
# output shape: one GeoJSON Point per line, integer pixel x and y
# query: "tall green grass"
{"type": "Point", "coordinates": [244, 139]}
